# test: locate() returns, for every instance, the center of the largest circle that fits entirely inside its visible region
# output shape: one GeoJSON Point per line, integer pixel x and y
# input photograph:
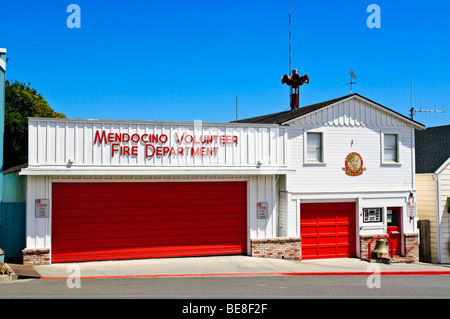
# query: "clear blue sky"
{"type": "Point", "coordinates": [188, 60]}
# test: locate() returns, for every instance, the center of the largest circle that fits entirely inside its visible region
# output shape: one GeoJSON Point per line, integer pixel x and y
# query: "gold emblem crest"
{"type": "Point", "coordinates": [354, 164]}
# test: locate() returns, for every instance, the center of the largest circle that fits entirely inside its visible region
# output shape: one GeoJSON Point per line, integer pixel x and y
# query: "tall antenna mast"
{"type": "Point", "coordinates": [290, 73]}
{"type": "Point", "coordinates": [410, 99]}
{"type": "Point", "coordinates": [294, 80]}
{"type": "Point", "coordinates": [410, 102]}
{"type": "Point", "coordinates": [236, 108]}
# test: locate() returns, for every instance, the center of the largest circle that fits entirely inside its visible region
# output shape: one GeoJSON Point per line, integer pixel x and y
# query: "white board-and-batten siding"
{"type": "Point", "coordinates": [53, 142]}
{"type": "Point", "coordinates": [271, 158]}
{"type": "Point", "coordinates": [350, 126]}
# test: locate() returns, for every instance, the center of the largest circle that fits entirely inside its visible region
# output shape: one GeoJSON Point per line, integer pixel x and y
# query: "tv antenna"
{"type": "Point", "coordinates": [352, 77]}
{"type": "Point", "coordinates": [413, 110]}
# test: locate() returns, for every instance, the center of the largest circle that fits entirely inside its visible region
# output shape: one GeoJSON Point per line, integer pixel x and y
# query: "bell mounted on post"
{"type": "Point", "coordinates": [381, 247]}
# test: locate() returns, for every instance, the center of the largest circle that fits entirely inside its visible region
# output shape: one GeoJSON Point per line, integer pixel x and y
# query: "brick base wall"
{"type": "Point", "coordinates": [36, 256]}
{"type": "Point", "coordinates": [412, 246]}
{"type": "Point", "coordinates": [283, 248]}
{"type": "Point", "coordinates": [364, 245]}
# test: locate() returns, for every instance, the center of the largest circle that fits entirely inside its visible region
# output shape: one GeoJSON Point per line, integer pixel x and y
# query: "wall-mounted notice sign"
{"type": "Point", "coordinates": [42, 208]}
{"type": "Point", "coordinates": [411, 209]}
{"type": "Point", "coordinates": [262, 210]}
{"type": "Point", "coordinates": [372, 215]}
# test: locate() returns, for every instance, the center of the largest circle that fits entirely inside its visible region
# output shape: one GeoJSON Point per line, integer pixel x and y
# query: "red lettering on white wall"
{"type": "Point", "coordinates": [186, 144]}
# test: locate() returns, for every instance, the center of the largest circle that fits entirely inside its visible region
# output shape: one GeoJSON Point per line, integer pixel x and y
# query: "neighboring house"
{"type": "Point", "coordinates": [433, 187]}
{"type": "Point", "coordinates": [321, 181]}
{"type": "Point", "coordinates": [12, 213]}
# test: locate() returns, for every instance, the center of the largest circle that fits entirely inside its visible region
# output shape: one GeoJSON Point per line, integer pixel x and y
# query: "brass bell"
{"type": "Point", "coordinates": [381, 247]}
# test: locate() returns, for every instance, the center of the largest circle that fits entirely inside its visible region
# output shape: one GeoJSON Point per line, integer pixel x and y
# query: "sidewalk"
{"type": "Point", "coordinates": [232, 266]}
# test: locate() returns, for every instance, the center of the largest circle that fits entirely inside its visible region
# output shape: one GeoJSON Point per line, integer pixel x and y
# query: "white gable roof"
{"type": "Point", "coordinates": [349, 110]}
{"type": "Point", "coordinates": [355, 110]}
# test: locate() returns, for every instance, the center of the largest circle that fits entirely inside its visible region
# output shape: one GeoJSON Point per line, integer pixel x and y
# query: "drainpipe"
{"type": "Point", "coordinates": [437, 179]}
{"type": "Point", "coordinates": [413, 159]}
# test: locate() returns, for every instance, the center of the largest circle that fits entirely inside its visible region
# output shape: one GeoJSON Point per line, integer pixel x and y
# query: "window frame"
{"type": "Point", "coordinates": [397, 145]}
{"type": "Point", "coordinates": [322, 161]}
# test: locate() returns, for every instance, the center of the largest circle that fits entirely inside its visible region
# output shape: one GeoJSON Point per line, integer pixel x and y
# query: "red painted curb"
{"type": "Point", "coordinates": [346, 273]}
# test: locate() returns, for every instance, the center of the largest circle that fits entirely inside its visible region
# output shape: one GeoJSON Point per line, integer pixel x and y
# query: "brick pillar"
{"type": "Point", "coordinates": [36, 256]}
{"type": "Point", "coordinates": [412, 246]}
{"type": "Point", "coordinates": [283, 248]}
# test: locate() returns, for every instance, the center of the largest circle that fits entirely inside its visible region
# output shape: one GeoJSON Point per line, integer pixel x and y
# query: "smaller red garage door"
{"type": "Point", "coordinates": [328, 230]}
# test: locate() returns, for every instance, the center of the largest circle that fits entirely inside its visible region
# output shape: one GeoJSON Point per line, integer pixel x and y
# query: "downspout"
{"type": "Point", "coordinates": [413, 177]}
{"type": "Point", "coordinates": [413, 159]}
{"type": "Point", "coordinates": [437, 179]}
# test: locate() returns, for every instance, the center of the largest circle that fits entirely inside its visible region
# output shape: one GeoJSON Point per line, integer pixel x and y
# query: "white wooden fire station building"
{"type": "Point", "coordinates": [321, 181]}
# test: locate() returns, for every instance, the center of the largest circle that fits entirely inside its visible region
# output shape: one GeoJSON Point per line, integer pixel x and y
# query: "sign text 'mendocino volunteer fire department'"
{"type": "Point", "coordinates": [155, 144]}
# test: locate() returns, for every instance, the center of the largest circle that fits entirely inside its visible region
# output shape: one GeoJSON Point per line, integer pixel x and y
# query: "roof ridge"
{"type": "Point", "coordinates": [293, 113]}
{"type": "Point", "coordinates": [267, 116]}
{"type": "Point", "coordinates": [287, 116]}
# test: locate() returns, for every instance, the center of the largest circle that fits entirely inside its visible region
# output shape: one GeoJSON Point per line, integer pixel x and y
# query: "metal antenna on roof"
{"type": "Point", "coordinates": [236, 108]}
{"type": "Point", "coordinates": [293, 79]}
{"type": "Point", "coordinates": [413, 110]}
{"type": "Point", "coordinates": [290, 72]}
{"type": "Point", "coordinates": [352, 77]}
{"type": "Point", "coordinates": [410, 99]}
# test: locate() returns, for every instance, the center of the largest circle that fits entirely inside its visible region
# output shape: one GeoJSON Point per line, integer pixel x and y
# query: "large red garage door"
{"type": "Point", "coordinates": [328, 230]}
{"type": "Point", "coordinates": [106, 221]}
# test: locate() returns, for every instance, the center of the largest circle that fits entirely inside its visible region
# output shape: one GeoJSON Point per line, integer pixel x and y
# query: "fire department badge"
{"type": "Point", "coordinates": [353, 164]}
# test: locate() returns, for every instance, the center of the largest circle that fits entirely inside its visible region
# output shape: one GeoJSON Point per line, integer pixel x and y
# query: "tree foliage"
{"type": "Point", "coordinates": [21, 102]}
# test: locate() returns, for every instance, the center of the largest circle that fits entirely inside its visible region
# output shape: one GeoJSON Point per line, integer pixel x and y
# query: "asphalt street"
{"type": "Point", "coordinates": [354, 287]}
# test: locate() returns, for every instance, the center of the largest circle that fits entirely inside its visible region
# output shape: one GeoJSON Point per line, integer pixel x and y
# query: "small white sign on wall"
{"type": "Point", "coordinates": [42, 208]}
{"type": "Point", "coordinates": [262, 210]}
{"type": "Point", "coordinates": [411, 209]}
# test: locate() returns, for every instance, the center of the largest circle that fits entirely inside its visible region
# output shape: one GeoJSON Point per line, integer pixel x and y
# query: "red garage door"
{"type": "Point", "coordinates": [328, 230]}
{"type": "Point", "coordinates": [107, 221]}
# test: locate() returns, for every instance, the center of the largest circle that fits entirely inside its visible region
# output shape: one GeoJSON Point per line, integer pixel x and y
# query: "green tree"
{"type": "Point", "coordinates": [21, 102]}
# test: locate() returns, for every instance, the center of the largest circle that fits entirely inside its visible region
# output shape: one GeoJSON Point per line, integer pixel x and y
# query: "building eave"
{"type": "Point", "coordinates": [153, 171]}
{"type": "Point", "coordinates": [442, 167]}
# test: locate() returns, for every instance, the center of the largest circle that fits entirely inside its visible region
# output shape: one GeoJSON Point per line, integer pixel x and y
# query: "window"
{"type": "Point", "coordinates": [314, 148]}
{"type": "Point", "coordinates": [390, 148]}
{"type": "Point", "coordinates": [314, 152]}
